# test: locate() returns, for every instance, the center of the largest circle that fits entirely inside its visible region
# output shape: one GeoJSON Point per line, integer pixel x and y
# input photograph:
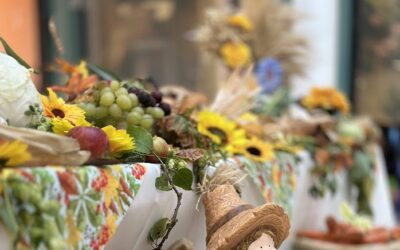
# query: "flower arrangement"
{"type": "Point", "coordinates": [327, 99]}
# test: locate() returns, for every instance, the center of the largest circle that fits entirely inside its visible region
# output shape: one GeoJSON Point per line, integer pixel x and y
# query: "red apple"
{"type": "Point", "coordinates": [91, 139]}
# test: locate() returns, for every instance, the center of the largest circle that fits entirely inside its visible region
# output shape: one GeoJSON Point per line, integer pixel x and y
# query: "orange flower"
{"type": "Point", "coordinates": [327, 99]}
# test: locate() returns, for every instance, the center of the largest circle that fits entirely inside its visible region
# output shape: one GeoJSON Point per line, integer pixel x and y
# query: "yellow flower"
{"type": "Point", "coordinates": [82, 69]}
{"type": "Point", "coordinates": [74, 234]}
{"type": "Point", "coordinates": [14, 153]}
{"type": "Point", "coordinates": [218, 128]}
{"type": "Point", "coordinates": [253, 149]}
{"type": "Point", "coordinates": [327, 99]}
{"type": "Point", "coordinates": [120, 141]}
{"type": "Point", "coordinates": [236, 55]}
{"type": "Point", "coordinates": [111, 190]}
{"type": "Point", "coordinates": [276, 175]}
{"type": "Point", "coordinates": [111, 221]}
{"type": "Point", "coordinates": [55, 107]}
{"type": "Point", "coordinates": [241, 21]}
{"type": "Point", "coordinates": [62, 127]}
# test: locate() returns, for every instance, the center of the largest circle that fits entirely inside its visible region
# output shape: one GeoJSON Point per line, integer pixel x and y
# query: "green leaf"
{"type": "Point", "coordinates": [143, 139]}
{"type": "Point", "coordinates": [11, 52]}
{"type": "Point", "coordinates": [162, 183]}
{"type": "Point", "coordinates": [102, 73]}
{"type": "Point", "coordinates": [159, 229]}
{"type": "Point", "coordinates": [183, 178]}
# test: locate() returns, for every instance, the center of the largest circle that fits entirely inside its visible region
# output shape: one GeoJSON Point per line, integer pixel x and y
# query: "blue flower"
{"type": "Point", "coordinates": [269, 74]}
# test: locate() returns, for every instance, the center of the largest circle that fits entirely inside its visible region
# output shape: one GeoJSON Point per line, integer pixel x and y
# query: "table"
{"type": "Point", "coordinates": [308, 213]}
{"type": "Point", "coordinates": [148, 204]}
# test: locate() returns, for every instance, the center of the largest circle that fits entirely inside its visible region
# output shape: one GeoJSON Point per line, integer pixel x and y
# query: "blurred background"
{"type": "Point", "coordinates": [354, 45]}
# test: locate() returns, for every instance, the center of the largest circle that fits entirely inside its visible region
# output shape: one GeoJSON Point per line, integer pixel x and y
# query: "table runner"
{"type": "Point", "coordinates": [66, 207]}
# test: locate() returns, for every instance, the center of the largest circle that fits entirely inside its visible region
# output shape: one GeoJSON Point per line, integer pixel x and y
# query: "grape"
{"type": "Point", "coordinates": [139, 110]}
{"type": "Point", "coordinates": [90, 110]}
{"type": "Point", "coordinates": [115, 111]}
{"type": "Point", "coordinates": [105, 90]}
{"type": "Point", "coordinates": [147, 121]}
{"type": "Point", "coordinates": [157, 113]}
{"type": "Point", "coordinates": [157, 95]}
{"type": "Point", "coordinates": [166, 108]}
{"type": "Point", "coordinates": [134, 99]}
{"type": "Point", "coordinates": [135, 90]}
{"type": "Point", "coordinates": [101, 112]}
{"type": "Point", "coordinates": [134, 118]}
{"type": "Point", "coordinates": [114, 85]}
{"type": "Point", "coordinates": [107, 99]}
{"type": "Point", "coordinates": [124, 102]}
{"type": "Point", "coordinates": [121, 91]}
{"type": "Point", "coordinates": [146, 99]}
{"type": "Point", "coordinates": [149, 110]}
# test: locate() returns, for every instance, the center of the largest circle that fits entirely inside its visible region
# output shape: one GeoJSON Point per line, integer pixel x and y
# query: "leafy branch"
{"type": "Point", "coordinates": [174, 218]}
{"type": "Point", "coordinates": [175, 173]}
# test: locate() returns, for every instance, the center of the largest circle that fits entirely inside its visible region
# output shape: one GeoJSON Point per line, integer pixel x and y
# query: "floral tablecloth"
{"type": "Point", "coordinates": [66, 207]}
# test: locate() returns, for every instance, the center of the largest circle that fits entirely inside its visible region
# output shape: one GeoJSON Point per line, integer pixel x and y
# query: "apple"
{"type": "Point", "coordinates": [91, 139]}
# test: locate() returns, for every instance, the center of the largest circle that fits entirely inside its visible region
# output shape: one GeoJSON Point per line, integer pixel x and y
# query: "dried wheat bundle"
{"type": "Point", "coordinates": [236, 95]}
{"type": "Point", "coordinates": [274, 34]}
{"type": "Point", "coordinates": [216, 31]}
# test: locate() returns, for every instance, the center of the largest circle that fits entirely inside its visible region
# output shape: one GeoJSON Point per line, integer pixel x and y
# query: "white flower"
{"type": "Point", "coordinates": [17, 91]}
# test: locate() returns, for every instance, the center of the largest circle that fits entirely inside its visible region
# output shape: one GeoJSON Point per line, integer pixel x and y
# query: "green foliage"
{"type": "Point", "coordinates": [162, 183]}
{"type": "Point", "coordinates": [143, 139]}
{"type": "Point", "coordinates": [102, 73]}
{"type": "Point", "coordinates": [14, 55]}
{"type": "Point", "coordinates": [159, 229]}
{"type": "Point", "coordinates": [183, 178]}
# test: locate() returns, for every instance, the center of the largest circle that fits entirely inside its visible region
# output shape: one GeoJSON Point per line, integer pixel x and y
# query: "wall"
{"type": "Point", "coordinates": [320, 26]}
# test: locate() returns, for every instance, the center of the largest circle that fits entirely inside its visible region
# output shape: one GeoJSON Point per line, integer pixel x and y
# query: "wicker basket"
{"type": "Point", "coordinates": [309, 244]}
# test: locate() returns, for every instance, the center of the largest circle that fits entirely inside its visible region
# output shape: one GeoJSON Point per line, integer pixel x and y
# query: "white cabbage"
{"type": "Point", "coordinates": [17, 91]}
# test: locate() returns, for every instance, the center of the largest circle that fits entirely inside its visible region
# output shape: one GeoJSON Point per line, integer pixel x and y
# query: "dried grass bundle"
{"type": "Point", "coordinates": [273, 34]}
{"type": "Point", "coordinates": [236, 95]}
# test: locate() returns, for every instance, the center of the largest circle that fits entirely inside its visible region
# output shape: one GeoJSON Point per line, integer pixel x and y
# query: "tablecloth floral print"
{"type": "Point", "coordinates": [66, 207]}
{"type": "Point", "coordinates": [276, 179]}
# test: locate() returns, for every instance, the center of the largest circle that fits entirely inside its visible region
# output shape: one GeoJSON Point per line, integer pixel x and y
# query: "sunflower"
{"type": "Point", "coordinates": [326, 98]}
{"type": "Point", "coordinates": [62, 126]}
{"type": "Point", "coordinates": [236, 55]}
{"type": "Point", "coordinates": [56, 107]}
{"type": "Point", "coordinates": [218, 128]}
{"type": "Point", "coordinates": [120, 141]}
{"type": "Point", "coordinates": [253, 149]}
{"type": "Point", "coordinates": [240, 21]}
{"type": "Point", "coordinates": [14, 153]}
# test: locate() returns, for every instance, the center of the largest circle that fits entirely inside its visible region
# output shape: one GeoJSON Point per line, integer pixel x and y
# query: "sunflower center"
{"type": "Point", "coordinates": [58, 113]}
{"type": "Point", "coordinates": [254, 151]}
{"type": "Point", "coordinates": [218, 132]}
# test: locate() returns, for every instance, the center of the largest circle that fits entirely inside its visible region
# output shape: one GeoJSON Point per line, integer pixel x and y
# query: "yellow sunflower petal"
{"type": "Point", "coordinates": [61, 126]}
{"type": "Point", "coordinates": [241, 21]}
{"type": "Point", "coordinates": [236, 55]}
{"type": "Point", "coordinates": [14, 153]}
{"type": "Point", "coordinates": [253, 149]}
{"type": "Point", "coordinates": [120, 140]}
{"type": "Point", "coordinates": [218, 128]}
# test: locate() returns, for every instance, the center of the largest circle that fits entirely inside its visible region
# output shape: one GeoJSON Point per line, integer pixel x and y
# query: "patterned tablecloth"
{"type": "Point", "coordinates": [66, 207]}
{"type": "Point", "coordinates": [83, 207]}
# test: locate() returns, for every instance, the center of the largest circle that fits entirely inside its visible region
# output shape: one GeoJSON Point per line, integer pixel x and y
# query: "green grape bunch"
{"type": "Point", "coordinates": [124, 104]}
